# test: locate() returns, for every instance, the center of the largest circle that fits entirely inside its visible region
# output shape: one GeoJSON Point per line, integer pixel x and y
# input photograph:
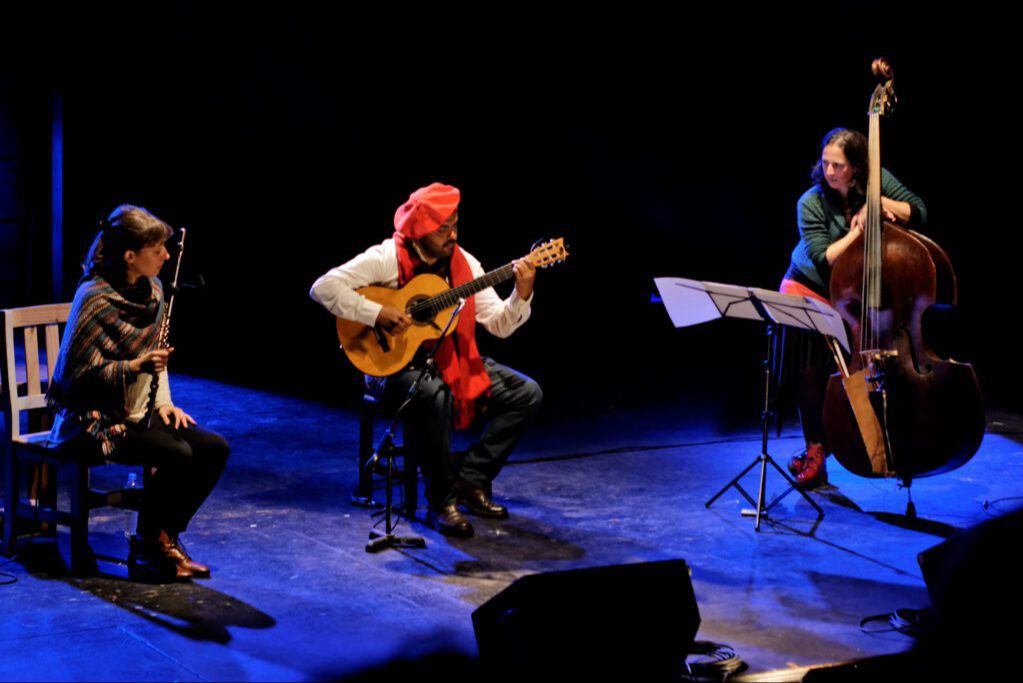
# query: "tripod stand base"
{"type": "Point", "coordinates": [761, 510]}
{"type": "Point", "coordinates": [381, 541]}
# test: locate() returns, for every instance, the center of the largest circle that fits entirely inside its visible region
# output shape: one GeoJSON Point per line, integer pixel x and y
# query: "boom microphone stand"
{"type": "Point", "coordinates": [387, 539]}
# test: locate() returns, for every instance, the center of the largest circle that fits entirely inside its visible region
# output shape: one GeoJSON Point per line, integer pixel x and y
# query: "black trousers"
{"type": "Point", "coordinates": [512, 404]}
{"type": "Point", "coordinates": [806, 365]}
{"type": "Point", "coordinates": [188, 462]}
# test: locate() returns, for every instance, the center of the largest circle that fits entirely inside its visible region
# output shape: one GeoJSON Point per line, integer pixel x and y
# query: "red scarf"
{"type": "Point", "coordinates": [459, 360]}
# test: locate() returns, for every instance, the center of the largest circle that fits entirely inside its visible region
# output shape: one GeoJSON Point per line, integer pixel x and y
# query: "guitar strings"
{"type": "Point", "coordinates": [451, 296]}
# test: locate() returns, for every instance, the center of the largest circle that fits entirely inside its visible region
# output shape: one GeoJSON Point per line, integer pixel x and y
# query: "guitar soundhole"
{"type": "Point", "coordinates": [422, 316]}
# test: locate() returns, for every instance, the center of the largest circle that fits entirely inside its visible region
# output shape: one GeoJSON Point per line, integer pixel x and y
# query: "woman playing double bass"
{"type": "Point", "coordinates": [830, 216]}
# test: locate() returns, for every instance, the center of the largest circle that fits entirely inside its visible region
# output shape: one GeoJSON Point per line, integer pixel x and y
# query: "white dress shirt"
{"type": "Point", "coordinates": [378, 265]}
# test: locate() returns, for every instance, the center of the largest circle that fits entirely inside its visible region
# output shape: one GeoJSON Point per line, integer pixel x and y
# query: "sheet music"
{"type": "Point", "coordinates": [690, 302]}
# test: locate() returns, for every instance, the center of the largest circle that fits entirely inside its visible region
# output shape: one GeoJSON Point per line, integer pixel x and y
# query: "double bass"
{"type": "Point", "coordinates": [897, 409]}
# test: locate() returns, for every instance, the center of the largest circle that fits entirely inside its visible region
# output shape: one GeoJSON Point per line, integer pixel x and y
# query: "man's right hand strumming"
{"type": "Point", "coordinates": [151, 361]}
{"type": "Point", "coordinates": [393, 320]}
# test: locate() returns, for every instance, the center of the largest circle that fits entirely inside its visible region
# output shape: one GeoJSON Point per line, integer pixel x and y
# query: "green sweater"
{"type": "Point", "coordinates": [821, 223]}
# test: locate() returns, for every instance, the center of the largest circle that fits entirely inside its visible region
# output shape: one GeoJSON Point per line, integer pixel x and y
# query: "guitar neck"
{"type": "Point", "coordinates": [451, 297]}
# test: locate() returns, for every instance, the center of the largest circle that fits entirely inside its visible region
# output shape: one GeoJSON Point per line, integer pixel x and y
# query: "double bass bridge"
{"type": "Point", "coordinates": [880, 363]}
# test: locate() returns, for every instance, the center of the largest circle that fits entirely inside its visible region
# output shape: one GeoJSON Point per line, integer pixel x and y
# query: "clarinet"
{"type": "Point", "coordinates": [164, 339]}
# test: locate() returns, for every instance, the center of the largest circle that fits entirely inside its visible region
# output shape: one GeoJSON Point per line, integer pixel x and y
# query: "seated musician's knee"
{"type": "Point", "coordinates": [533, 394]}
{"type": "Point", "coordinates": [210, 449]}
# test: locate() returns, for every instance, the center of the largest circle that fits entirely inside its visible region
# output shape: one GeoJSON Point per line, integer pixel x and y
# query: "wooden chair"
{"type": "Point", "coordinates": [67, 466]}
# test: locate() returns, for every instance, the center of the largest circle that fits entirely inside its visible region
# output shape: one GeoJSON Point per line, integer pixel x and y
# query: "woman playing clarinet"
{"type": "Point", "coordinates": [111, 394]}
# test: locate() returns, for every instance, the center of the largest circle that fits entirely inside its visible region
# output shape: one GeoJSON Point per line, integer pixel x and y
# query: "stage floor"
{"type": "Point", "coordinates": [294, 595]}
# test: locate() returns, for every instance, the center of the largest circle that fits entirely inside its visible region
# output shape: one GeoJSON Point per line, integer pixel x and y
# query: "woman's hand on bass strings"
{"type": "Point", "coordinates": [859, 221]}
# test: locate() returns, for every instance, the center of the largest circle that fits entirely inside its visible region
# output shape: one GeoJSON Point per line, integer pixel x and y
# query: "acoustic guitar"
{"type": "Point", "coordinates": [429, 301]}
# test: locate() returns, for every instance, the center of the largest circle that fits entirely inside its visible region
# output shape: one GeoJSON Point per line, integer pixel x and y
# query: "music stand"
{"type": "Point", "coordinates": [690, 302]}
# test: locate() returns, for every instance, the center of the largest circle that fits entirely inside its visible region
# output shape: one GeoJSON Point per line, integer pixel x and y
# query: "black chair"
{"type": "Point", "coordinates": [28, 513]}
{"type": "Point", "coordinates": [370, 408]}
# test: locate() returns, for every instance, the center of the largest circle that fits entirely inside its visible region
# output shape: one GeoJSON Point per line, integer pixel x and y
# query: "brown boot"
{"type": "Point", "coordinates": [148, 562]}
{"type": "Point", "coordinates": [171, 546]}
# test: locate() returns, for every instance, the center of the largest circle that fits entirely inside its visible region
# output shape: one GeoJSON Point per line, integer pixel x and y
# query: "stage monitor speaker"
{"type": "Point", "coordinates": [976, 570]}
{"type": "Point", "coordinates": [634, 619]}
{"type": "Point", "coordinates": [973, 580]}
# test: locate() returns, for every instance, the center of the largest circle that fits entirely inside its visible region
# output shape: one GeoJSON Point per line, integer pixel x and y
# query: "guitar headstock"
{"type": "Point", "coordinates": [548, 253]}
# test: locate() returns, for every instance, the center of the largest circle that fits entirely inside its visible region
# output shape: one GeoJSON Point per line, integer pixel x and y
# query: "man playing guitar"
{"type": "Point", "coordinates": [426, 241]}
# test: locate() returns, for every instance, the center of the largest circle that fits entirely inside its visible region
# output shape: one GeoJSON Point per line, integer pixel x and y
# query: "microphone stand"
{"type": "Point", "coordinates": [386, 539]}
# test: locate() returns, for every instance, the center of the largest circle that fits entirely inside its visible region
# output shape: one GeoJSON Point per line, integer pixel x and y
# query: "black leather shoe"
{"type": "Point", "coordinates": [450, 521]}
{"type": "Point", "coordinates": [477, 502]}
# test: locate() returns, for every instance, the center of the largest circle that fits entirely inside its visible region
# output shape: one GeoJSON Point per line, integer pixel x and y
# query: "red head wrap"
{"type": "Point", "coordinates": [426, 210]}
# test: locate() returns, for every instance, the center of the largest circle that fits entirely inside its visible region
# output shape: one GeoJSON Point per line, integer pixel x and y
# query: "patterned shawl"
{"type": "Point", "coordinates": [105, 331]}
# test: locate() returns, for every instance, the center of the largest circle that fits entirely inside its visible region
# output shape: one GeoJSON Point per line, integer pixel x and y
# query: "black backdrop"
{"type": "Point", "coordinates": [657, 143]}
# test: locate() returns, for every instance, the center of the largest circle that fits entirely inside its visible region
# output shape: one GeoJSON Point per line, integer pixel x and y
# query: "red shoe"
{"type": "Point", "coordinates": [797, 463]}
{"type": "Point", "coordinates": [814, 472]}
